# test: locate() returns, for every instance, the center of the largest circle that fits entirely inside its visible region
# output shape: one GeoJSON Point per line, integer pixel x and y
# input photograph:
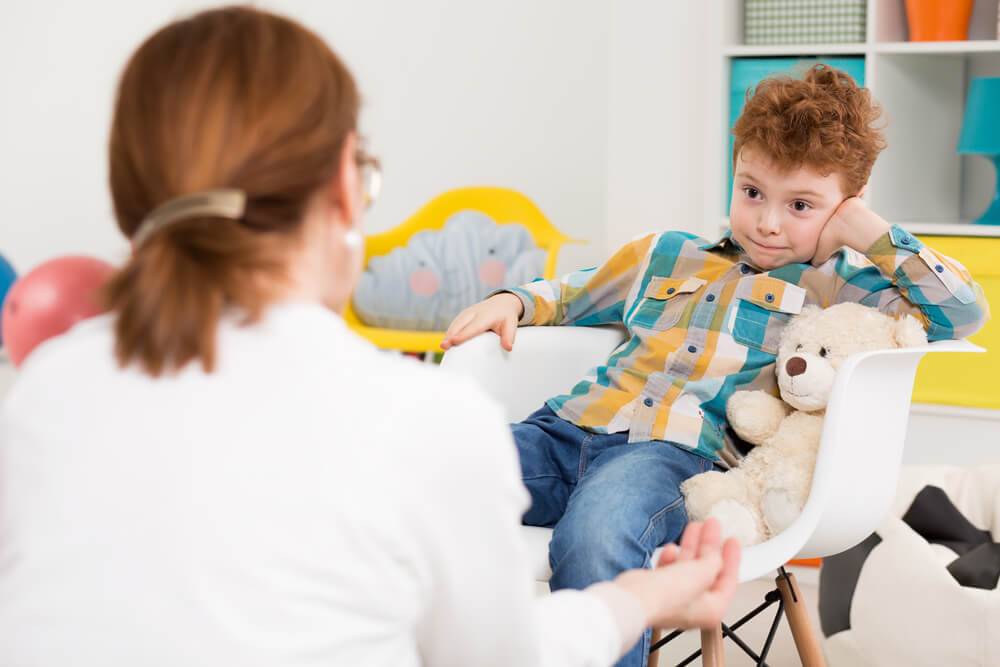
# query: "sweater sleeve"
{"type": "Point", "coordinates": [483, 609]}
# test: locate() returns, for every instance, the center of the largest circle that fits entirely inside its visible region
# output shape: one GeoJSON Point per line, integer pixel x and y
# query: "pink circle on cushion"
{"type": "Point", "coordinates": [424, 282]}
{"type": "Point", "coordinates": [492, 272]}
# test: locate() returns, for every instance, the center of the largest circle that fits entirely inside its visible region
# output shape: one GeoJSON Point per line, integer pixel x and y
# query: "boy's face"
{"type": "Point", "coordinates": [777, 214]}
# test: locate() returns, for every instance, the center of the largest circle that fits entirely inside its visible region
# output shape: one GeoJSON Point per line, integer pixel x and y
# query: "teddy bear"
{"type": "Point", "coordinates": [766, 492]}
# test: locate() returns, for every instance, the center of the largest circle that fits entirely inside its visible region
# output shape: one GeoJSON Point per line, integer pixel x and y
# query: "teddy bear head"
{"type": "Point", "coordinates": [817, 341]}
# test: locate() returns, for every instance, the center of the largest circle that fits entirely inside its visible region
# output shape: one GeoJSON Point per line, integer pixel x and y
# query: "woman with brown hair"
{"type": "Point", "coordinates": [218, 471]}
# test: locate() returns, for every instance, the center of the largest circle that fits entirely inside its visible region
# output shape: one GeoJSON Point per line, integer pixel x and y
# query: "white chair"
{"type": "Point", "coordinates": [856, 468]}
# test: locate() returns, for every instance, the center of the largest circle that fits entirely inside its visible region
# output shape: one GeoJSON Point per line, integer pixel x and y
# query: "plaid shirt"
{"type": "Point", "coordinates": [703, 322]}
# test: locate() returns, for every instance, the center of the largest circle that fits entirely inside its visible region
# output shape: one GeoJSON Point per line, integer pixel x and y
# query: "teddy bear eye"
{"type": "Point", "coordinates": [822, 352]}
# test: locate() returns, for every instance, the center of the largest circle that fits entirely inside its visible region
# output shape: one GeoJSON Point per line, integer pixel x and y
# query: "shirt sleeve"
{"type": "Point", "coordinates": [588, 297]}
{"type": "Point", "coordinates": [483, 609]}
{"type": "Point", "coordinates": [904, 276]}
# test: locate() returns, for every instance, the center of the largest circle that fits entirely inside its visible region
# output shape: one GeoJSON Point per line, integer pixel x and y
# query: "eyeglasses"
{"type": "Point", "coordinates": [371, 176]}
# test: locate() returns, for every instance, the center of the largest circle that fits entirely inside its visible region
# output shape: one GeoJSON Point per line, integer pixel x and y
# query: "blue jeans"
{"type": "Point", "coordinates": [611, 504]}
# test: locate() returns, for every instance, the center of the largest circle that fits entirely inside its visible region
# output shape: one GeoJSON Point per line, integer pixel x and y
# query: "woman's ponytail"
{"type": "Point", "coordinates": [232, 98]}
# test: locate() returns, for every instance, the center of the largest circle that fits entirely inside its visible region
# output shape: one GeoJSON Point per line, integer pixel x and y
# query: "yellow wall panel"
{"type": "Point", "coordinates": [967, 380]}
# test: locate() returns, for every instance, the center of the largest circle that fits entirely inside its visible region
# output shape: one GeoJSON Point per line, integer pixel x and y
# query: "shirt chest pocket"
{"type": "Point", "coordinates": [762, 308]}
{"type": "Point", "coordinates": [663, 302]}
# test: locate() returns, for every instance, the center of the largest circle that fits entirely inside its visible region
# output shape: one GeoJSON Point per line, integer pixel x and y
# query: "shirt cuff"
{"type": "Point", "coordinates": [626, 610]}
{"type": "Point", "coordinates": [897, 249]}
{"type": "Point", "coordinates": [527, 301]}
{"type": "Point", "coordinates": [885, 249]}
{"type": "Point", "coordinates": [890, 250]}
{"type": "Point", "coordinates": [903, 240]}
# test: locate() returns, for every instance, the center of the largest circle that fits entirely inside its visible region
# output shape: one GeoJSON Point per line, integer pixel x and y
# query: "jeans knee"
{"type": "Point", "coordinates": [607, 543]}
{"type": "Point", "coordinates": [582, 553]}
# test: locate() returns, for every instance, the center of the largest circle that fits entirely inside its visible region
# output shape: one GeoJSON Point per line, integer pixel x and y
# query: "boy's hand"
{"type": "Point", "coordinates": [692, 586]}
{"type": "Point", "coordinates": [854, 225]}
{"type": "Point", "coordinates": [499, 314]}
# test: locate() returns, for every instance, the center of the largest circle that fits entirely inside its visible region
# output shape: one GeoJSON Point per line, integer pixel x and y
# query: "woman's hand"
{"type": "Point", "coordinates": [693, 585]}
{"type": "Point", "coordinates": [706, 609]}
{"type": "Point", "coordinates": [499, 314]}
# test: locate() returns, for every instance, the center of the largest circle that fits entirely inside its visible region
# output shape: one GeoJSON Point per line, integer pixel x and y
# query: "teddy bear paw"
{"type": "Point", "coordinates": [779, 510]}
{"type": "Point", "coordinates": [736, 521]}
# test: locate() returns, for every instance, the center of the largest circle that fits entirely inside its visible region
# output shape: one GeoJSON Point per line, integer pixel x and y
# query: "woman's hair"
{"type": "Point", "coordinates": [232, 98]}
{"type": "Point", "coordinates": [823, 120]}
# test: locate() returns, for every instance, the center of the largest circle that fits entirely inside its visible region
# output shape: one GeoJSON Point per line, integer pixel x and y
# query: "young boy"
{"type": "Point", "coordinates": [604, 461]}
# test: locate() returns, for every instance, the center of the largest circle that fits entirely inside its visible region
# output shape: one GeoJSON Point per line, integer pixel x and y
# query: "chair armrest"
{"type": "Point", "coordinates": [545, 362]}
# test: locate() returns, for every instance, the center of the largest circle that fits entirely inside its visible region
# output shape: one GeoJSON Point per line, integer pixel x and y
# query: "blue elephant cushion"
{"type": "Point", "coordinates": [422, 286]}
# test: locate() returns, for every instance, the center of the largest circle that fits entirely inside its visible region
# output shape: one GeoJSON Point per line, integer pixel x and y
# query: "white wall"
{"type": "Point", "coordinates": [656, 122]}
{"type": "Point", "coordinates": [457, 92]}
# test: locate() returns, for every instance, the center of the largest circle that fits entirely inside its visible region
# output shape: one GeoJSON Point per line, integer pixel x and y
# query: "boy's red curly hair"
{"type": "Point", "coordinates": [823, 120]}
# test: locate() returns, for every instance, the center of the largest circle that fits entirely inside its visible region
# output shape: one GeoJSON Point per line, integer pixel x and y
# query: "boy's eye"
{"type": "Point", "coordinates": [752, 192]}
{"type": "Point", "coordinates": [800, 206]}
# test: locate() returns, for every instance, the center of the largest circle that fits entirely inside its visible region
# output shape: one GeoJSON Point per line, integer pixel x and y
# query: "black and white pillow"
{"type": "Point", "coordinates": [921, 590]}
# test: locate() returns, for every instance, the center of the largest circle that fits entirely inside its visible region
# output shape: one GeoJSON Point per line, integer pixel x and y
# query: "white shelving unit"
{"type": "Point", "coordinates": [919, 181]}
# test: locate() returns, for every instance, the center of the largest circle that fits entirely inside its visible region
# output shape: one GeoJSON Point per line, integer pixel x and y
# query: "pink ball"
{"type": "Point", "coordinates": [49, 300]}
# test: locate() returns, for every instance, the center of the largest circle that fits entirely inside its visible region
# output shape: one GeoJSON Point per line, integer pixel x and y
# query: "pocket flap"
{"type": "Point", "coordinates": [772, 294]}
{"type": "Point", "coordinates": [667, 288]}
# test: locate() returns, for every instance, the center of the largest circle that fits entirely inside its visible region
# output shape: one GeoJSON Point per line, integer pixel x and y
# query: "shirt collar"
{"type": "Point", "coordinates": [727, 237]}
{"type": "Point", "coordinates": [727, 243]}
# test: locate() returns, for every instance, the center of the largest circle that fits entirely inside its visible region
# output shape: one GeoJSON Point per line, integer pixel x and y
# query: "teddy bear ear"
{"type": "Point", "coordinates": [807, 314]}
{"type": "Point", "coordinates": [798, 323]}
{"type": "Point", "coordinates": [909, 332]}
{"type": "Point", "coordinates": [808, 311]}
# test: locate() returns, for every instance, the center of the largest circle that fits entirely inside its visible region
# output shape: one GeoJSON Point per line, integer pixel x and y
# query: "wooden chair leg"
{"type": "Point", "coordinates": [712, 653]}
{"type": "Point", "coordinates": [805, 639]}
{"type": "Point", "coordinates": [654, 658]}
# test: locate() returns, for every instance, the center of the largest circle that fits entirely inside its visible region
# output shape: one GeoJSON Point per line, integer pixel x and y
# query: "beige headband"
{"type": "Point", "coordinates": [228, 204]}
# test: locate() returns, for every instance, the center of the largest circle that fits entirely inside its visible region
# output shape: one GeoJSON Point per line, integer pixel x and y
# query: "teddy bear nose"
{"type": "Point", "coordinates": [795, 366]}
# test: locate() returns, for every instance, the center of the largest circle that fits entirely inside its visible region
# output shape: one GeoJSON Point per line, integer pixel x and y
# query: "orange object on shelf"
{"type": "Point", "coordinates": [938, 20]}
{"type": "Point", "coordinates": [806, 562]}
